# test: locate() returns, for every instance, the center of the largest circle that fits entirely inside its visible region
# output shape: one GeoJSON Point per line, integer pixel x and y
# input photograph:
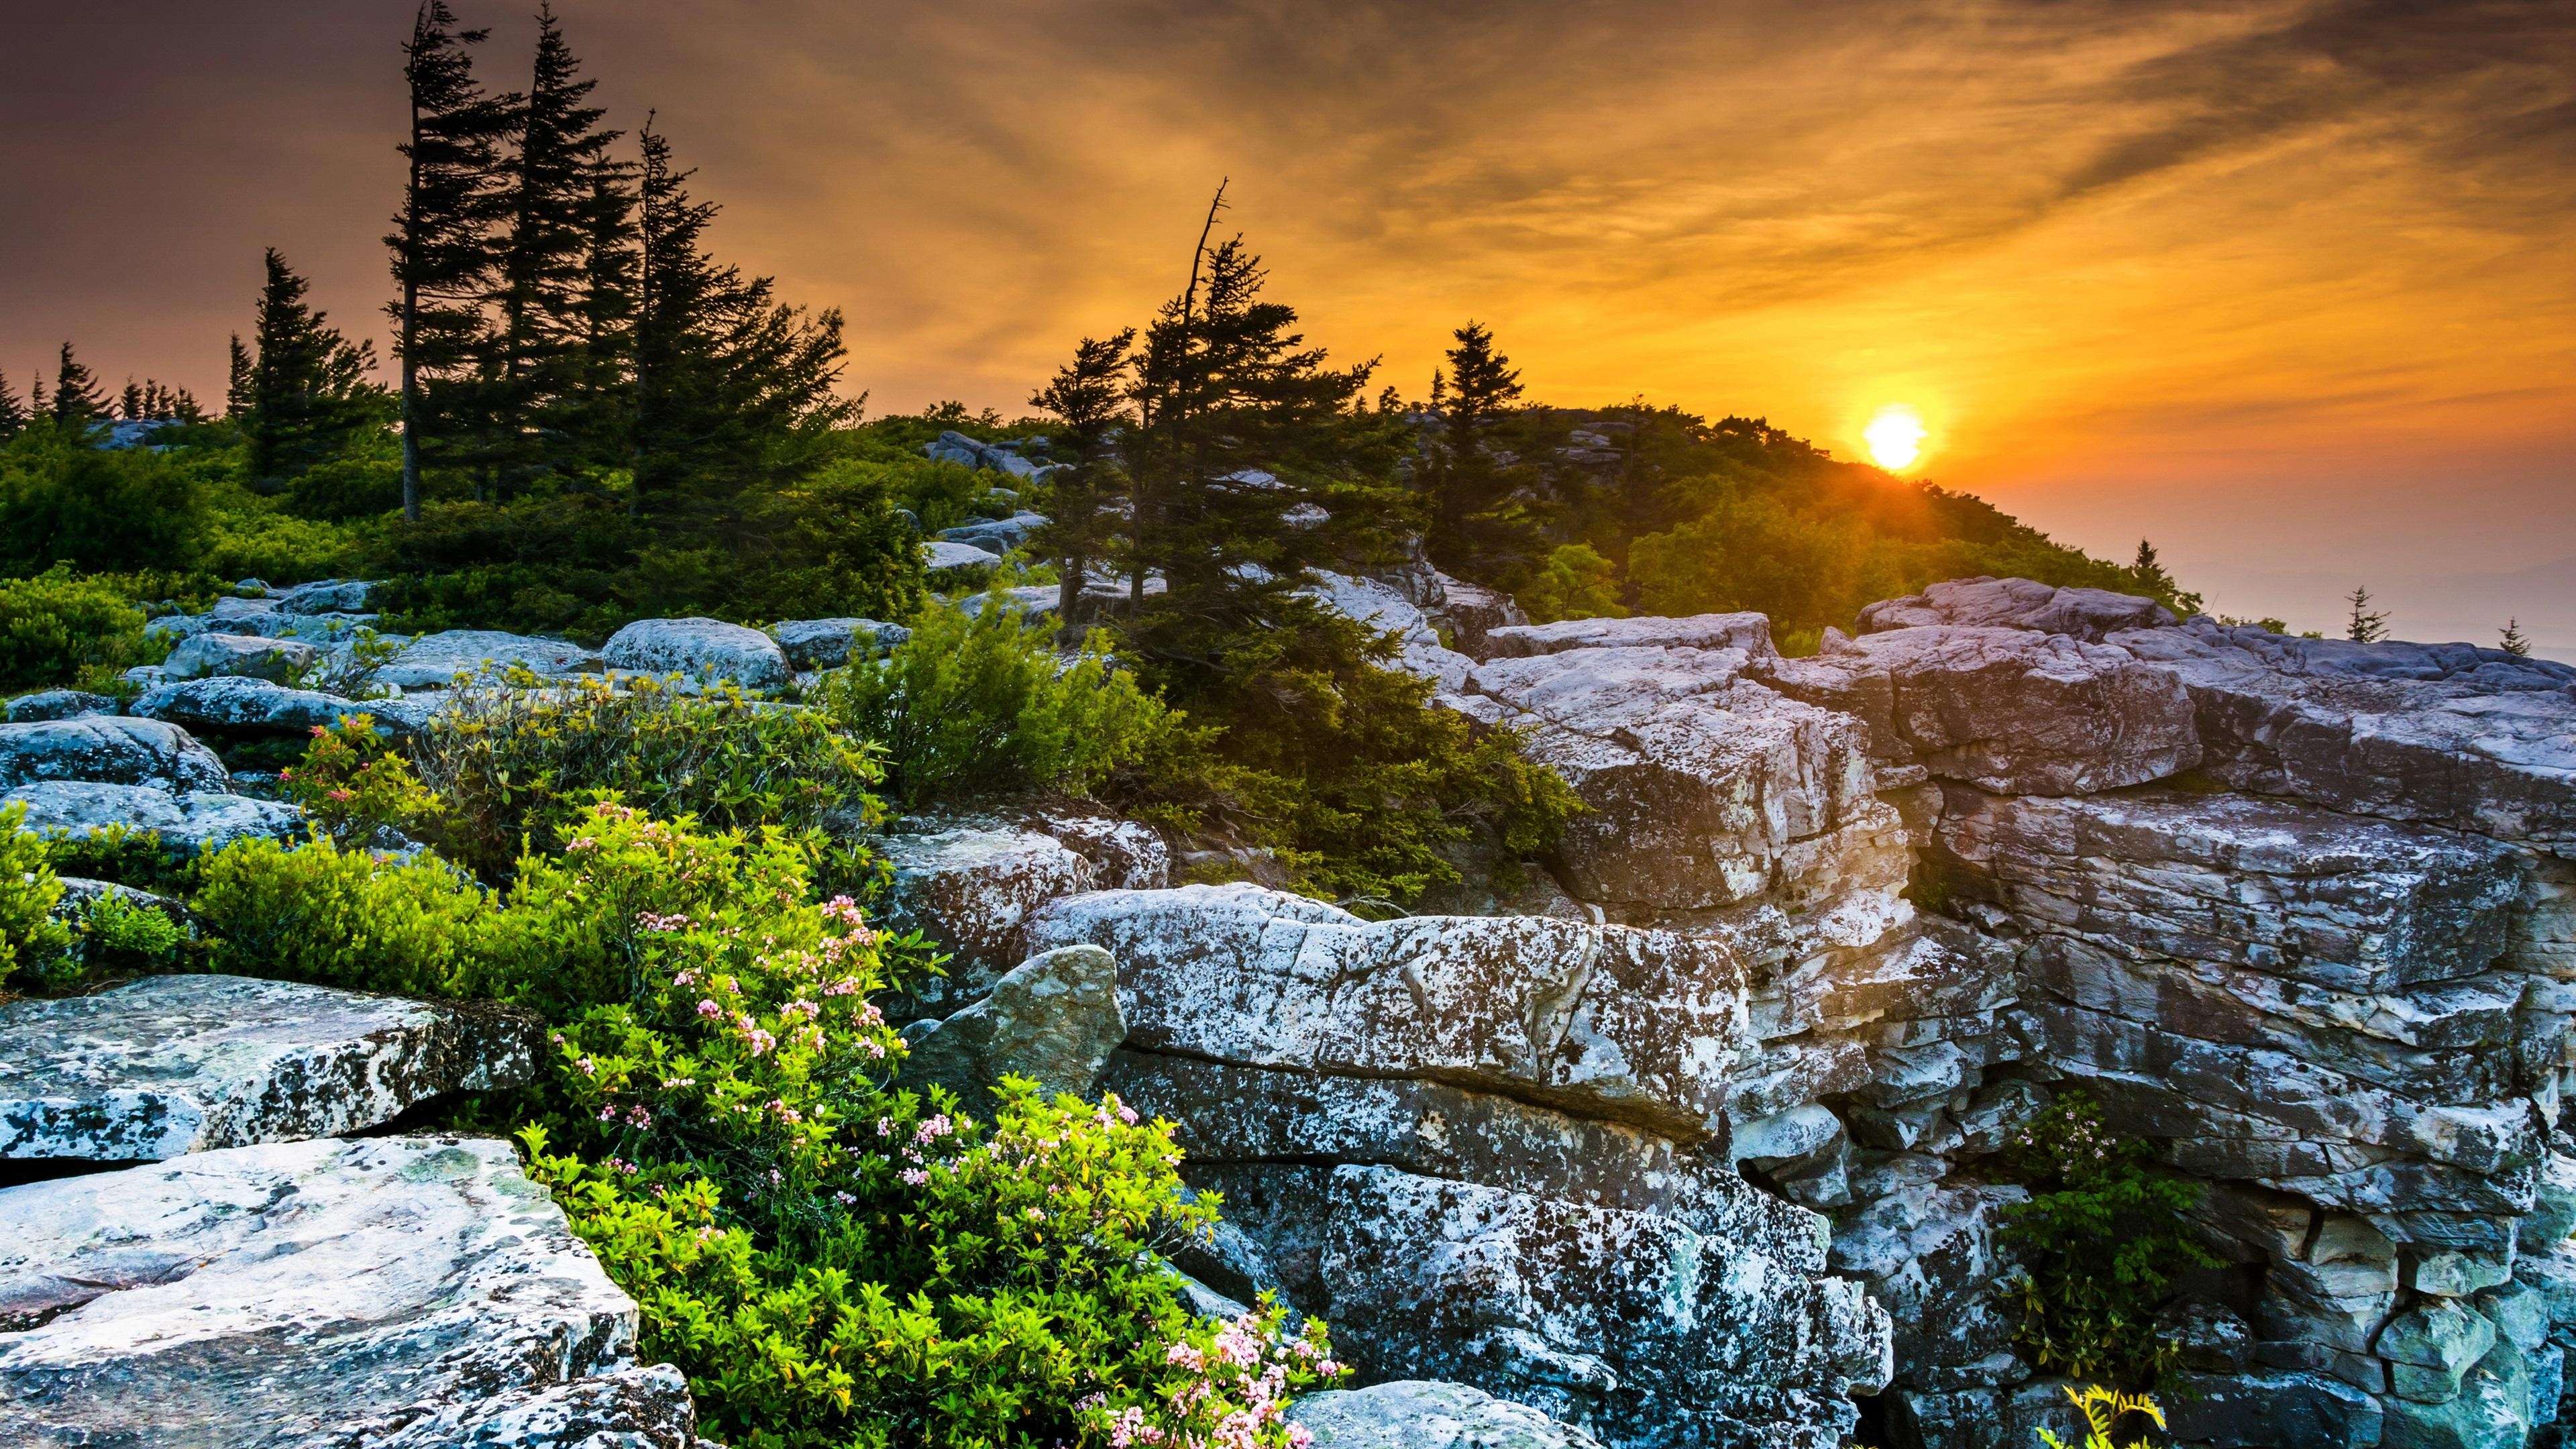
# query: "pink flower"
{"type": "Point", "coordinates": [709, 1008]}
{"type": "Point", "coordinates": [915, 1176]}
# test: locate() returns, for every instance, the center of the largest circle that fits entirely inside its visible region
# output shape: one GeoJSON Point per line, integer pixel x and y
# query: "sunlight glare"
{"type": "Point", "coordinates": [1895, 437]}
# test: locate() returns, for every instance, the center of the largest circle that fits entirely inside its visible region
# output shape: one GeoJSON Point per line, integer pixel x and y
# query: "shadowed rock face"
{"type": "Point", "coordinates": [109, 750]}
{"type": "Point", "coordinates": [317, 1292]}
{"type": "Point", "coordinates": [1991, 603]}
{"type": "Point", "coordinates": [180, 1064]}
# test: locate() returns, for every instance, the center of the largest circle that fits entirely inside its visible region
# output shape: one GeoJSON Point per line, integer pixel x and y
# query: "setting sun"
{"type": "Point", "coordinates": [1895, 437]}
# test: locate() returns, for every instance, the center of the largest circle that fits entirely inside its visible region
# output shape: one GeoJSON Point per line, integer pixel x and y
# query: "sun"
{"type": "Point", "coordinates": [1895, 436]}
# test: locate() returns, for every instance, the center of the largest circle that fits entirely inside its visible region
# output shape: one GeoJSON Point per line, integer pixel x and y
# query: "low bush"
{"type": "Point", "coordinates": [355, 785]}
{"type": "Point", "coordinates": [120, 853]}
{"type": "Point", "coordinates": [2103, 1234]}
{"type": "Point", "coordinates": [63, 628]}
{"type": "Point", "coordinates": [115, 935]}
{"type": "Point", "coordinates": [982, 704]}
{"type": "Point", "coordinates": [333, 917]}
{"type": "Point", "coordinates": [514, 765]}
{"type": "Point", "coordinates": [31, 940]}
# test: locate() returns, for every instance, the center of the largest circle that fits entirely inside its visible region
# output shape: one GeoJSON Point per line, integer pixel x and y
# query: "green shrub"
{"type": "Point", "coordinates": [2102, 1408]}
{"type": "Point", "coordinates": [1574, 582]}
{"type": "Point", "coordinates": [316, 913]}
{"type": "Point", "coordinates": [513, 765]}
{"type": "Point", "coordinates": [2102, 1235]}
{"type": "Point", "coordinates": [62, 628]}
{"type": "Point", "coordinates": [115, 935]}
{"type": "Point", "coordinates": [63, 502]}
{"type": "Point", "coordinates": [31, 940]}
{"type": "Point", "coordinates": [120, 853]}
{"type": "Point", "coordinates": [982, 704]}
{"type": "Point", "coordinates": [354, 786]}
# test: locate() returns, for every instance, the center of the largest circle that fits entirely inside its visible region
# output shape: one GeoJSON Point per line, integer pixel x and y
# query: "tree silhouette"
{"type": "Point", "coordinates": [2367, 625]}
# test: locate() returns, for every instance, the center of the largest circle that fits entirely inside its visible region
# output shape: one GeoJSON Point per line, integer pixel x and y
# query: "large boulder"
{"type": "Point", "coordinates": [1607, 1021]}
{"type": "Point", "coordinates": [996, 535]}
{"type": "Point", "coordinates": [950, 562]}
{"type": "Point", "coordinates": [828, 643]}
{"type": "Point", "coordinates": [326, 596]}
{"type": "Point", "coordinates": [59, 704]}
{"type": "Point", "coordinates": [1421, 1414]}
{"type": "Point", "coordinates": [433, 661]}
{"type": "Point", "coordinates": [1992, 603]}
{"type": "Point", "coordinates": [1748, 632]}
{"type": "Point", "coordinates": [2017, 711]}
{"type": "Point", "coordinates": [111, 750]}
{"type": "Point", "coordinates": [197, 821]}
{"type": "Point", "coordinates": [1470, 613]}
{"type": "Point", "coordinates": [970, 887]}
{"type": "Point", "coordinates": [254, 705]}
{"type": "Point", "coordinates": [301, 1293]}
{"type": "Point", "coordinates": [209, 656]}
{"type": "Point", "coordinates": [1053, 1018]}
{"type": "Point", "coordinates": [177, 1064]}
{"type": "Point", "coordinates": [2446, 734]}
{"type": "Point", "coordinates": [703, 649]}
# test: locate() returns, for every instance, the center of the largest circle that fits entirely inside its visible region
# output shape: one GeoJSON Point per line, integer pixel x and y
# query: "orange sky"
{"type": "Point", "coordinates": [2289, 287]}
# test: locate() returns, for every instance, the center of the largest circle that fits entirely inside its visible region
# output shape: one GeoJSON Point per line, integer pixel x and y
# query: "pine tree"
{"type": "Point", "coordinates": [1476, 530]}
{"type": "Point", "coordinates": [544, 297]}
{"type": "Point", "coordinates": [2513, 640]}
{"type": "Point", "coordinates": [13, 414]}
{"type": "Point", "coordinates": [130, 402]}
{"type": "Point", "coordinates": [77, 403]}
{"type": "Point", "coordinates": [722, 371]}
{"type": "Point", "coordinates": [2148, 576]}
{"type": "Point", "coordinates": [37, 407]}
{"type": "Point", "coordinates": [2366, 626]}
{"type": "Point", "coordinates": [1089, 394]}
{"type": "Point", "coordinates": [443, 252]}
{"type": "Point", "coordinates": [237, 380]}
{"type": "Point", "coordinates": [309, 392]}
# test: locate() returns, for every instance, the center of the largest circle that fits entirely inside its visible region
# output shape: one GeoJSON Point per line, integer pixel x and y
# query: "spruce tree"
{"type": "Point", "coordinates": [309, 392]}
{"type": "Point", "coordinates": [2513, 640]}
{"type": "Point", "coordinates": [443, 252]}
{"type": "Point", "coordinates": [77, 403]}
{"type": "Point", "coordinates": [129, 403]}
{"type": "Point", "coordinates": [545, 279]}
{"type": "Point", "coordinates": [1476, 529]}
{"type": "Point", "coordinates": [2366, 625]}
{"type": "Point", "coordinates": [237, 380]}
{"type": "Point", "coordinates": [13, 413]}
{"type": "Point", "coordinates": [722, 371]}
{"type": "Point", "coordinates": [1085, 502]}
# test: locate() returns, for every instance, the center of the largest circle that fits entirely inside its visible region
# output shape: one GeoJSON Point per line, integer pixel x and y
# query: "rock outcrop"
{"type": "Point", "coordinates": [109, 750]}
{"type": "Point", "coordinates": [701, 649]}
{"type": "Point", "coordinates": [433, 661]}
{"type": "Point", "coordinates": [179, 1064]}
{"type": "Point", "coordinates": [199, 820]}
{"type": "Point", "coordinates": [400, 1290]}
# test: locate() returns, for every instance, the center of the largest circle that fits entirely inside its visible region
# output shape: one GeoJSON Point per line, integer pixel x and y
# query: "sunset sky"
{"type": "Point", "coordinates": [2288, 287]}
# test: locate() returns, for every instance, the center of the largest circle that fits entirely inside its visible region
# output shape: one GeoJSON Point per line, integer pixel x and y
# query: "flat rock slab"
{"type": "Point", "coordinates": [180, 1064]}
{"type": "Point", "coordinates": [231, 702]}
{"type": "Point", "coordinates": [200, 820]}
{"type": "Point", "coordinates": [702, 649]}
{"type": "Point", "coordinates": [433, 661]}
{"type": "Point", "coordinates": [110, 750]}
{"type": "Point", "coordinates": [1429, 1414]}
{"type": "Point", "coordinates": [212, 655]}
{"type": "Point", "coordinates": [1992, 603]}
{"type": "Point", "coordinates": [1748, 632]}
{"type": "Point", "coordinates": [328, 1292]}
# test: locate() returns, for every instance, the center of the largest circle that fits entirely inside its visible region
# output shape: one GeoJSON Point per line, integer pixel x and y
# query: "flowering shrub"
{"type": "Point", "coordinates": [353, 785]}
{"type": "Point", "coordinates": [1223, 1386]}
{"type": "Point", "coordinates": [2099, 1239]}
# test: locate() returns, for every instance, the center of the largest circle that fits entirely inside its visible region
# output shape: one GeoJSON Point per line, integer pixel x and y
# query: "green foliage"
{"type": "Point", "coordinates": [515, 765]}
{"type": "Point", "coordinates": [317, 913]}
{"type": "Point", "coordinates": [309, 394]}
{"type": "Point", "coordinates": [114, 935]}
{"type": "Point", "coordinates": [120, 853]}
{"type": "Point", "coordinates": [2102, 1408]}
{"type": "Point", "coordinates": [31, 940]}
{"type": "Point", "coordinates": [1575, 582]}
{"type": "Point", "coordinates": [61, 628]}
{"type": "Point", "coordinates": [354, 785]}
{"type": "Point", "coordinates": [977, 704]}
{"type": "Point", "coordinates": [2100, 1238]}
{"type": "Point", "coordinates": [64, 502]}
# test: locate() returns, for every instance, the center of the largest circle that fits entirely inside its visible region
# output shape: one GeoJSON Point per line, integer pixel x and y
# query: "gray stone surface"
{"type": "Point", "coordinates": [1381, 606]}
{"type": "Point", "coordinates": [433, 661]}
{"type": "Point", "coordinates": [1992, 603]}
{"type": "Point", "coordinates": [1748, 632]}
{"type": "Point", "coordinates": [996, 535]}
{"type": "Point", "coordinates": [197, 821]}
{"type": "Point", "coordinates": [970, 887]}
{"type": "Point", "coordinates": [177, 1064]}
{"type": "Point", "coordinates": [1471, 613]}
{"type": "Point", "coordinates": [210, 656]}
{"type": "Point", "coordinates": [950, 561]}
{"type": "Point", "coordinates": [257, 705]}
{"type": "Point", "coordinates": [620, 1408]}
{"type": "Point", "coordinates": [59, 704]}
{"type": "Point", "coordinates": [1053, 1018]}
{"type": "Point", "coordinates": [1422, 1414]}
{"type": "Point", "coordinates": [108, 749]}
{"type": "Point", "coordinates": [293, 1294]}
{"type": "Point", "coordinates": [826, 643]}
{"type": "Point", "coordinates": [702, 649]}
{"type": "Point", "coordinates": [327, 596]}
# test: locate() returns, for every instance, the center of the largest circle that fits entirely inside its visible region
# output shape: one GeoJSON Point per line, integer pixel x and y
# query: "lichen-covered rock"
{"type": "Point", "coordinates": [1471, 613]}
{"type": "Point", "coordinates": [1380, 606]}
{"type": "Point", "coordinates": [327, 596]}
{"type": "Point", "coordinates": [2021, 712]}
{"type": "Point", "coordinates": [633, 1407]}
{"type": "Point", "coordinates": [1632, 1325]}
{"type": "Point", "coordinates": [2447, 734]}
{"type": "Point", "coordinates": [827, 643]}
{"type": "Point", "coordinates": [1423, 1414]}
{"type": "Point", "coordinates": [59, 704]}
{"type": "Point", "coordinates": [177, 1064]}
{"type": "Point", "coordinates": [1748, 632]}
{"type": "Point", "coordinates": [108, 749]}
{"type": "Point", "coordinates": [194, 822]}
{"type": "Point", "coordinates": [1124, 854]}
{"type": "Point", "coordinates": [234, 703]}
{"type": "Point", "coordinates": [1607, 1021]}
{"type": "Point", "coordinates": [290, 1294]}
{"type": "Point", "coordinates": [433, 661]}
{"type": "Point", "coordinates": [970, 887]}
{"type": "Point", "coordinates": [1053, 1018]}
{"type": "Point", "coordinates": [702, 649]}
{"type": "Point", "coordinates": [211, 656]}
{"type": "Point", "coordinates": [948, 561]}
{"type": "Point", "coordinates": [1929, 1255]}
{"type": "Point", "coordinates": [1992, 603]}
